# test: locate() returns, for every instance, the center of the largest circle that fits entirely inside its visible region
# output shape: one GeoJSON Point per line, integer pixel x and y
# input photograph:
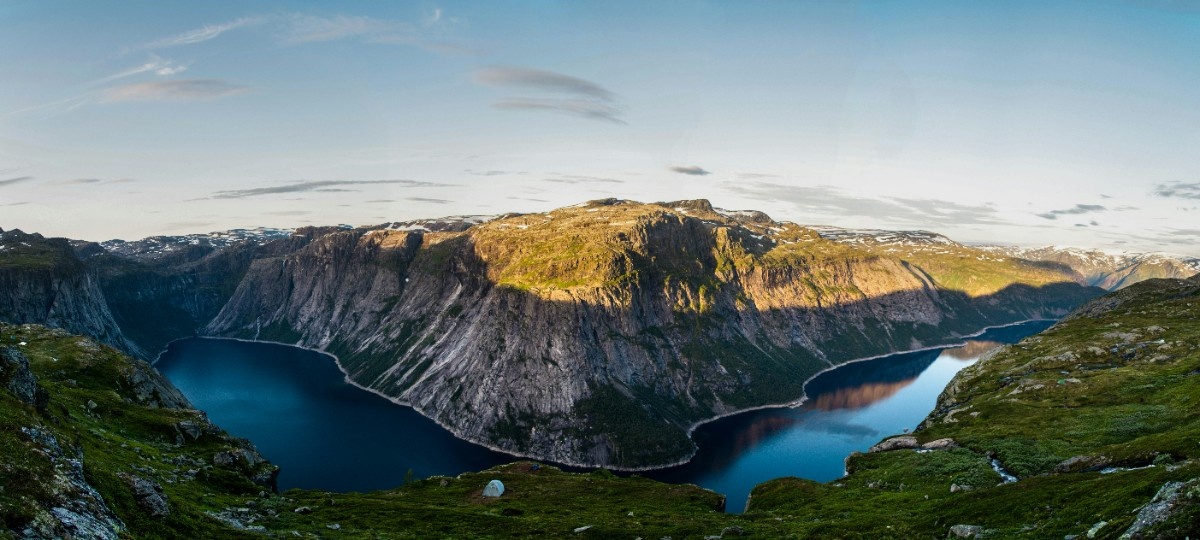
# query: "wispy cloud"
{"type": "Point", "coordinates": [576, 107]}
{"type": "Point", "coordinates": [302, 28]}
{"type": "Point", "coordinates": [428, 200]}
{"type": "Point", "coordinates": [573, 95]}
{"type": "Point", "coordinates": [492, 172]}
{"type": "Point", "coordinates": [689, 169]}
{"type": "Point", "coordinates": [181, 90]}
{"type": "Point", "coordinates": [825, 201]}
{"type": "Point", "coordinates": [1075, 210]}
{"type": "Point", "coordinates": [579, 179]}
{"type": "Point", "coordinates": [1178, 190]}
{"type": "Point", "coordinates": [204, 33]}
{"type": "Point", "coordinates": [157, 65]}
{"type": "Point", "coordinates": [17, 180]}
{"type": "Point", "coordinates": [540, 80]}
{"type": "Point", "coordinates": [318, 185]}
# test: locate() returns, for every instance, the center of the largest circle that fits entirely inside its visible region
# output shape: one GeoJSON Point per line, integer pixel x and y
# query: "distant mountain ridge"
{"type": "Point", "coordinates": [1108, 271]}
{"type": "Point", "coordinates": [595, 334]}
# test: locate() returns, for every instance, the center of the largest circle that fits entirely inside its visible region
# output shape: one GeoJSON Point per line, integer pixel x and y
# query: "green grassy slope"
{"type": "Point", "coordinates": [1094, 416]}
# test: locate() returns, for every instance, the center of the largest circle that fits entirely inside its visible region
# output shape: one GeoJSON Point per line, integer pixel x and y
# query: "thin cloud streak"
{"type": "Point", "coordinates": [827, 201]}
{"type": "Point", "coordinates": [1076, 210]}
{"type": "Point", "coordinates": [204, 33]}
{"type": "Point", "coordinates": [159, 66]}
{"type": "Point", "coordinates": [181, 90]}
{"type": "Point", "coordinates": [319, 185]}
{"type": "Point", "coordinates": [429, 200]}
{"type": "Point", "coordinates": [17, 180]}
{"type": "Point", "coordinates": [690, 169]}
{"type": "Point", "coordinates": [579, 97]}
{"type": "Point", "coordinates": [541, 80]}
{"type": "Point", "coordinates": [575, 107]}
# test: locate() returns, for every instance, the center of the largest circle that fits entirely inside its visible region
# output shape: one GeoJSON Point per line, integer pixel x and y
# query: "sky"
{"type": "Point", "coordinates": [1022, 123]}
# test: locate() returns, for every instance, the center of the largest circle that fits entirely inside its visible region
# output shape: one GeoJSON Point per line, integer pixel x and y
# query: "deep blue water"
{"type": "Point", "coordinates": [296, 407]}
{"type": "Point", "coordinates": [326, 434]}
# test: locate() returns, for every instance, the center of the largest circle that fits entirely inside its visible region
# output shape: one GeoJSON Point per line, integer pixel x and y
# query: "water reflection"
{"type": "Point", "coordinates": [972, 350]}
{"type": "Point", "coordinates": [848, 409]}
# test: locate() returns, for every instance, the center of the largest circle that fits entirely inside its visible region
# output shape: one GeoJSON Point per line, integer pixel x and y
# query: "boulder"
{"type": "Point", "coordinates": [189, 428]}
{"type": "Point", "coordinates": [17, 378]}
{"type": "Point", "coordinates": [1083, 463]}
{"type": "Point", "coordinates": [895, 443]}
{"type": "Point", "coordinates": [149, 496]}
{"type": "Point", "coordinates": [939, 444]}
{"type": "Point", "coordinates": [494, 488]}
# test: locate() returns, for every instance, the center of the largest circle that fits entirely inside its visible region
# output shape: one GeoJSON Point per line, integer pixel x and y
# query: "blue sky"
{"type": "Point", "coordinates": [1036, 123]}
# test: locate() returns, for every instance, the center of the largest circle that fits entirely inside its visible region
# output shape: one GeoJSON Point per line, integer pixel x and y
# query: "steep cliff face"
{"type": "Point", "coordinates": [44, 282]}
{"type": "Point", "coordinates": [598, 334]}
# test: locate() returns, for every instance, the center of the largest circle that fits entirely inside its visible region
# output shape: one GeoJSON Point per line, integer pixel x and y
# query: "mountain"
{"type": "Point", "coordinates": [1108, 271]}
{"type": "Point", "coordinates": [597, 334]}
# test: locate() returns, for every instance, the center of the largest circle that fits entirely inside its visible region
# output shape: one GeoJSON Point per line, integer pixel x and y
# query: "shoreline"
{"type": "Point", "coordinates": [690, 430]}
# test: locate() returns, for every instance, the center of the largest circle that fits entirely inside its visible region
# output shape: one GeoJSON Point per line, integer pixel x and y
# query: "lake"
{"type": "Point", "coordinates": [326, 434]}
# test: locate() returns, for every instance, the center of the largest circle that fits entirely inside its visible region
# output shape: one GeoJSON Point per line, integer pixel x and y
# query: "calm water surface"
{"type": "Point", "coordinates": [326, 434]}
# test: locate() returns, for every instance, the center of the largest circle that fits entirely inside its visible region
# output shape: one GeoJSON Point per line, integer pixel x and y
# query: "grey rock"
{"type": "Point", "coordinates": [149, 495]}
{"type": "Point", "coordinates": [895, 443]}
{"type": "Point", "coordinates": [955, 488]}
{"type": "Point", "coordinates": [730, 532]}
{"type": "Point", "coordinates": [1157, 511]}
{"type": "Point", "coordinates": [76, 509]}
{"type": "Point", "coordinates": [189, 428]}
{"type": "Point", "coordinates": [18, 379]}
{"type": "Point", "coordinates": [1082, 463]}
{"type": "Point", "coordinates": [940, 444]}
{"type": "Point", "coordinates": [224, 458]}
{"type": "Point", "coordinates": [965, 531]}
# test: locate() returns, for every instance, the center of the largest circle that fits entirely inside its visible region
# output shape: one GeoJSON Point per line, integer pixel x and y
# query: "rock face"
{"type": "Point", "coordinates": [76, 509]}
{"type": "Point", "coordinates": [45, 283]}
{"type": "Point", "coordinates": [598, 334]}
{"type": "Point", "coordinates": [19, 380]}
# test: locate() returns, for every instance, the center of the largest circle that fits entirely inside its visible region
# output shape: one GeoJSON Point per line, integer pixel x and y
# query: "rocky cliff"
{"type": "Point", "coordinates": [44, 282]}
{"type": "Point", "coordinates": [599, 334]}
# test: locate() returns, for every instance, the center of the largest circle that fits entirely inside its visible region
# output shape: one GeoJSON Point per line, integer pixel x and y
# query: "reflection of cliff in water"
{"type": "Point", "coordinates": [858, 396]}
{"type": "Point", "coordinates": [857, 385]}
{"type": "Point", "coordinates": [761, 429]}
{"type": "Point", "coordinates": [972, 349]}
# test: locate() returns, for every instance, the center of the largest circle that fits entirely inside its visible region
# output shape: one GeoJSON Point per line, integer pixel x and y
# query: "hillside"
{"type": "Point", "coordinates": [1094, 421]}
{"type": "Point", "coordinates": [598, 334]}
